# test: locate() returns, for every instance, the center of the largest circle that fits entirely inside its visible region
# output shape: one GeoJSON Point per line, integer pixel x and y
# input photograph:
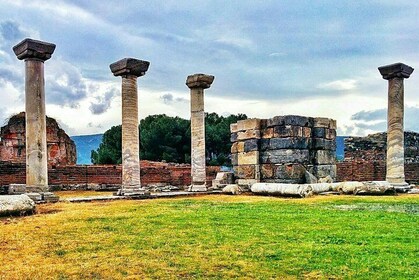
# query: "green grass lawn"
{"type": "Point", "coordinates": [247, 237]}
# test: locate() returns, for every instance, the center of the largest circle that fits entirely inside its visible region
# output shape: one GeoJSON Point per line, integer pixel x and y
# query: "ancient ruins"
{"type": "Point", "coordinates": [282, 155]}
{"type": "Point", "coordinates": [61, 150]}
{"type": "Point", "coordinates": [284, 149]}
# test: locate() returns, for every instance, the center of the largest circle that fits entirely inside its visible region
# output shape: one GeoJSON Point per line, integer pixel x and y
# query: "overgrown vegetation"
{"type": "Point", "coordinates": [169, 138]}
{"type": "Point", "coordinates": [219, 237]}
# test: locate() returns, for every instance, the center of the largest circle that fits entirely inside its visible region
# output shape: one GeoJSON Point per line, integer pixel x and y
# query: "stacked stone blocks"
{"type": "Point", "coordinates": [282, 149]}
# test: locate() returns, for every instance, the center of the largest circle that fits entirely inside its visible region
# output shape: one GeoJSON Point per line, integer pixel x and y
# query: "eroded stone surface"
{"type": "Point", "coordinates": [395, 73]}
{"type": "Point", "coordinates": [197, 83]}
{"type": "Point", "coordinates": [34, 49]}
{"type": "Point", "coordinates": [129, 66]}
{"type": "Point", "coordinates": [16, 204]}
{"type": "Point", "coordinates": [130, 69]}
{"type": "Point", "coordinates": [35, 53]}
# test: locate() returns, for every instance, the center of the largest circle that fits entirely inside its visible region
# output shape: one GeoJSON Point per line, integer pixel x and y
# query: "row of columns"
{"type": "Point", "coordinates": [35, 53]}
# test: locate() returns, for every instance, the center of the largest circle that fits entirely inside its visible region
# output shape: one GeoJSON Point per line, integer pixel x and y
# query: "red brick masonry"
{"type": "Point", "coordinates": [362, 170]}
{"type": "Point", "coordinates": [180, 175]}
{"type": "Point", "coordinates": [151, 173]}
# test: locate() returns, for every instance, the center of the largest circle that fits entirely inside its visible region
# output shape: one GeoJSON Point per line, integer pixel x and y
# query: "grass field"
{"type": "Point", "coordinates": [218, 237]}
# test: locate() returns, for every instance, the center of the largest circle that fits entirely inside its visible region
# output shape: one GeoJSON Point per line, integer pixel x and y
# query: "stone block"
{"type": "Point", "coordinates": [248, 158]}
{"type": "Point", "coordinates": [17, 189]}
{"type": "Point", "coordinates": [299, 143]}
{"type": "Point", "coordinates": [323, 144]}
{"type": "Point", "coordinates": [50, 197]}
{"type": "Point", "coordinates": [251, 145]}
{"type": "Point", "coordinates": [295, 172]}
{"type": "Point", "coordinates": [275, 121]}
{"type": "Point", "coordinates": [263, 123]}
{"type": "Point", "coordinates": [298, 121]}
{"type": "Point", "coordinates": [237, 147]}
{"type": "Point", "coordinates": [330, 134]}
{"type": "Point", "coordinates": [306, 132]}
{"type": "Point", "coordinates": [319, 132]}
{"type": "Point", "coordinates": [267, 171]}
{"type": "Point", "coordinates": [248, 124]}
{"type": "Point", "coordinates": [322, 171]}
{"type": "Point", "coordinates": [285, 156]}
{"type": "Point", "coordinates": [233, 137]}
{"type": "Point", "coordinates": [310, 178]}
{"type": "Point", "coordinates": [267, 133]}
{"type": "Point", "coordinates": [222, 179]}
{"type": "Point", "coordinates": [233, 148]}
{"type": "Point", "coordinates": [324, 122]}
{"type": "Point", "coordinates": [323, 156]}
{"type": "Point", "coordinates": [234, 159]}
{"type": "Point", "coordinates": [233, 128]}
{"type": "Point", "coordinates": [245, 171]}
{"type": "Point", "coordinates": [16, 205]}
{"type": "Point", "coordinates": [248, 134]}
{"type": "Point", "coordinates": [333, 124]}
{"type": "Point", "coordinates": [36, 197]}
{"type": "Point", "coordinates": [288, 131]}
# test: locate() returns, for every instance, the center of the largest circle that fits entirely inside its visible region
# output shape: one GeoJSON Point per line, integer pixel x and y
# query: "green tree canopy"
{"type": "Point", "coordinates": [169, 138]}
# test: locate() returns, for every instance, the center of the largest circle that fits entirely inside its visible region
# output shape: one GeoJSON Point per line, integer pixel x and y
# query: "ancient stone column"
{"type": "Point", "coordinates": [130, 69]}
{"type": "Point", "coordinates": [197, 83]}
{"type": "Point", "coordinates": [35, 53]}
{"type": "Point", "coordinates": [395, 73]}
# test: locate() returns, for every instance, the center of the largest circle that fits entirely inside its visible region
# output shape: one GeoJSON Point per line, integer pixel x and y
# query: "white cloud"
{"type": "Point", "coordinates": [346, 84]}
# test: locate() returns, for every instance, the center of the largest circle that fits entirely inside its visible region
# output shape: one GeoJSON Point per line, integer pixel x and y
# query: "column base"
{"type": "Point", "coordinates": [400, 187]}
{"type": "Point", "coordinates": [130, 191]}
{"type": "Point", "coordinates": [38, 189]}
{"type": "Point", "coordinates": [198, 188]}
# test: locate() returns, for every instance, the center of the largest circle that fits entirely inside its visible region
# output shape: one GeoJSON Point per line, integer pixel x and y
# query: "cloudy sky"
{"type": "Point", "coordinates": [313, 58]}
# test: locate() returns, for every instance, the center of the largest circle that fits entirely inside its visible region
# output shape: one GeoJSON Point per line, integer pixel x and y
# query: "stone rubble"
{"type": "Point", "coordinates": [16, 205]}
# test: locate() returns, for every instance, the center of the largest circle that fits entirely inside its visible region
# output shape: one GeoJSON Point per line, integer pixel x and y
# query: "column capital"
{"type": "Point", "coordinates": [129, 66]}
{"type": "Point", "coordinates": [395, 70]}
{"type": "Point", "coordinates": [34, 49]}
{"type": "Point", "coordinates": [199, 81]}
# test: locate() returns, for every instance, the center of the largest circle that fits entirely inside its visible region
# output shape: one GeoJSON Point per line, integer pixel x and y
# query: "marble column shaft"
{"type": "Point", "coordinates": [130, 134]}
{"type": "Point", "coordinates": [395, 74]}
{"type": "Point", "coordinates": [395, 132]}
{"type": "Point", "coordinates": [34, 53]}
{"type": "Point", "coordinates": [130, 69]}
{"type": "Point", "coordinates": [198, 137]}
{"type": "Point", "coordinates": [36, 135]}
{"type": "Point", "coordinates": [197, 83]}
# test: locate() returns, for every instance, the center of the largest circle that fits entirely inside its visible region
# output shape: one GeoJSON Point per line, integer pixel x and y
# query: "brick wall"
{"type": "Point", "coordinates": [363, 170]}
{"type": "Point", "coordinates": [151, 173]}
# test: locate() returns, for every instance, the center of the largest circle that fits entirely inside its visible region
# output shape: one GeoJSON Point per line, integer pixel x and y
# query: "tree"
{"type": "Point", "coordinates": [165, 138]}
{"type": "Point", "coordinates": [109, 151]}
{"type": "Point", "coordinates": [169, 138]}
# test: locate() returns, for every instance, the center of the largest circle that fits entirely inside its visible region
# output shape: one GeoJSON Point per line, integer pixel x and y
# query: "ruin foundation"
{"type": "Point", "coordinates": [283, 149]}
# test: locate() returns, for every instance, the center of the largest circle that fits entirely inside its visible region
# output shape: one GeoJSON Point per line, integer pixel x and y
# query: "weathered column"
{"type": "Point", "coordinates": [395, 73]}
{"type": "Point", "coordinates": [197, 83]}
{"type": "Point", "coordinates": [130, 69]}
{"type": "Point", "coordinates": [35, 53]}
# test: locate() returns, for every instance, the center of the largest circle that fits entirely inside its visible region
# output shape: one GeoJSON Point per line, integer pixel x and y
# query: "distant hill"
{"type": "Point", "coordinates": [86, 143]}
{"type": "Point", "coordinates": [340, 147]}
